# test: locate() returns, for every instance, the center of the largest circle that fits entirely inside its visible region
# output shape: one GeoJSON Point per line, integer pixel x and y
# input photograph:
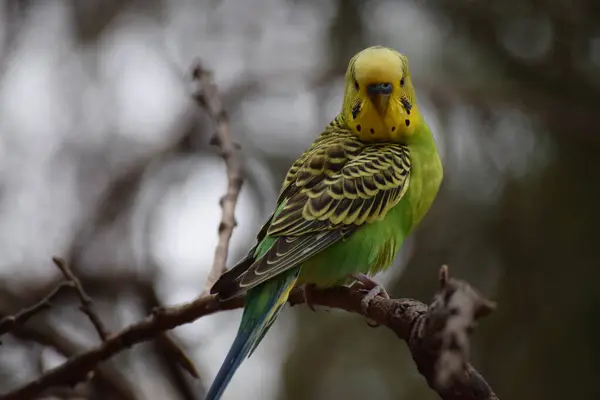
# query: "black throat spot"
{"type": "Point", "coordinates": [356, 110]}
{"type": "Point", "coordinates": [406, 104]}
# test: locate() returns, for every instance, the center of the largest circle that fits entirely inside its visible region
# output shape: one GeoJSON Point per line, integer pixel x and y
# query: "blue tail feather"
{"type": "Point", "coordinates": [235, 356]}
{"type": "Point", "coordinates": [263, 304]}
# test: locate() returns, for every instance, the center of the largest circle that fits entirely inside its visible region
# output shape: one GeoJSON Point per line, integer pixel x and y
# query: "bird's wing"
{"type": "Point", "coordinates": [335, 187]}
{"type": "Point", "coordinates": [332, 196]}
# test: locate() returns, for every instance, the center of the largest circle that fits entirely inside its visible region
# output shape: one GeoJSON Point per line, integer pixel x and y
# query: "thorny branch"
{"type": "Point", "coordinates": [206, 95]}
{"type": "Point", "coordinates": [437, 335]}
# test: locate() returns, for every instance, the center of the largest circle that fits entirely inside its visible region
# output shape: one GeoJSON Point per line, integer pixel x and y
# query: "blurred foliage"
{"type": "Point", "coordinates": [511, 90]}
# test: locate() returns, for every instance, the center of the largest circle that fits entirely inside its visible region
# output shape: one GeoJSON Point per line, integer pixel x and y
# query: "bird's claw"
{"type": "Point", "coordinates": [373, 290]}
{"type": "Point", "coordinates": [307, 293]}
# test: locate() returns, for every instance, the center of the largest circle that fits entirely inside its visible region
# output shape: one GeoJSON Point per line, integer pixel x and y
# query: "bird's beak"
{"type": "Point", "coordinates": [381, 103]}
{"type": "Point", "coordinates": [380, 96]}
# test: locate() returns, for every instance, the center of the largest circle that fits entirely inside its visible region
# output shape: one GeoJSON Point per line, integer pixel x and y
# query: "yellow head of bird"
{"type": "Point", "coordinates": [379, 103]}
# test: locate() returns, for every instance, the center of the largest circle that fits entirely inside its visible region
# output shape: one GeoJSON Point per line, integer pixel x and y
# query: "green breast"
{"type": "Point", "coordinates": [426, 177]}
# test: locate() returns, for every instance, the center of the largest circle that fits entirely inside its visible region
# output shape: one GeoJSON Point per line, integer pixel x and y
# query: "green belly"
{"type": "Point", "coordinates": [372, 248]}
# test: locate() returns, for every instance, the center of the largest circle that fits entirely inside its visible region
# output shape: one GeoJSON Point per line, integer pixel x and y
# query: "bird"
{"type": "Point", "coordinates": [345, 206]}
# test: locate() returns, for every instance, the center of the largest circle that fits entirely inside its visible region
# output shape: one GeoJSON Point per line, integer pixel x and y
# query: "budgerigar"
{"type": "Point", "coordinates": [346, 204]}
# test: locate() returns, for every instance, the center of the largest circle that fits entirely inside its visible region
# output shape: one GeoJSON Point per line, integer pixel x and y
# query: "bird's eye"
{"type": "Point", "coordinates": [402, 82]}
{"type": "Point", "coordinates": [356, 84]}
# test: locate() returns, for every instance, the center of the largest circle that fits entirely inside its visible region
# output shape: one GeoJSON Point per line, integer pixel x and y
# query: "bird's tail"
{"type": "Point", "coordinates": [263, 304]}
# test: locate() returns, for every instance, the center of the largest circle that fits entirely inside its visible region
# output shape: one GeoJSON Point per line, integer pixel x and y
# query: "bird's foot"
{"type": "Point", "coordinates": [307, 292]}
{"type": "Point", "coordinates": [373, 290]}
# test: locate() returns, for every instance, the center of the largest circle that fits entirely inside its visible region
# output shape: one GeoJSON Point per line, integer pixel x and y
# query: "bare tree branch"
{"type": "Point", "coordinates": [207, 96]}
{"type": "Point", "coordinates": [87, 304]}
{"type": "Point", "coordinates": [173, 360]}
{"type": "Point", "coordinates": [439, 342]}
{"type": "Point", "coordinates": [105, 375]}
{"type": "Point", "coordinates": [429, 332]}
{"type": "Point", "coordinates": [11, 321]}
{"type": "Point", "coordinates": [175, 351]}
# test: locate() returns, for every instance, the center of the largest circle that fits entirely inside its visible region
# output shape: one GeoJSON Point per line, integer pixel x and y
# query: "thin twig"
{"type": "Point", "coordinates": [207, 96]}
{"type": "Point", "coordinates": [175, 364]}
{"type": "Point", "coordinates": [39, 331]}
{"type": "Point", "coordinates": [174, 350]}
{"type": "Point", "coordinates": [87, 304]}
{"type": "Point", "coordinates": [12, 321]}
{"type": "Point", "coordinates": [420, 326]}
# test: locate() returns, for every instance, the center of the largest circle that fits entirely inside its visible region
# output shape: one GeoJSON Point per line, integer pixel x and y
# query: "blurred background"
{"type": "Point", "coordinates": [104, 160]}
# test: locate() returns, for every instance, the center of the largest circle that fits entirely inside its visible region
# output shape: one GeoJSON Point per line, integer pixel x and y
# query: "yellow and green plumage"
{"type": "Point", "coordinates": [346, 204]}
